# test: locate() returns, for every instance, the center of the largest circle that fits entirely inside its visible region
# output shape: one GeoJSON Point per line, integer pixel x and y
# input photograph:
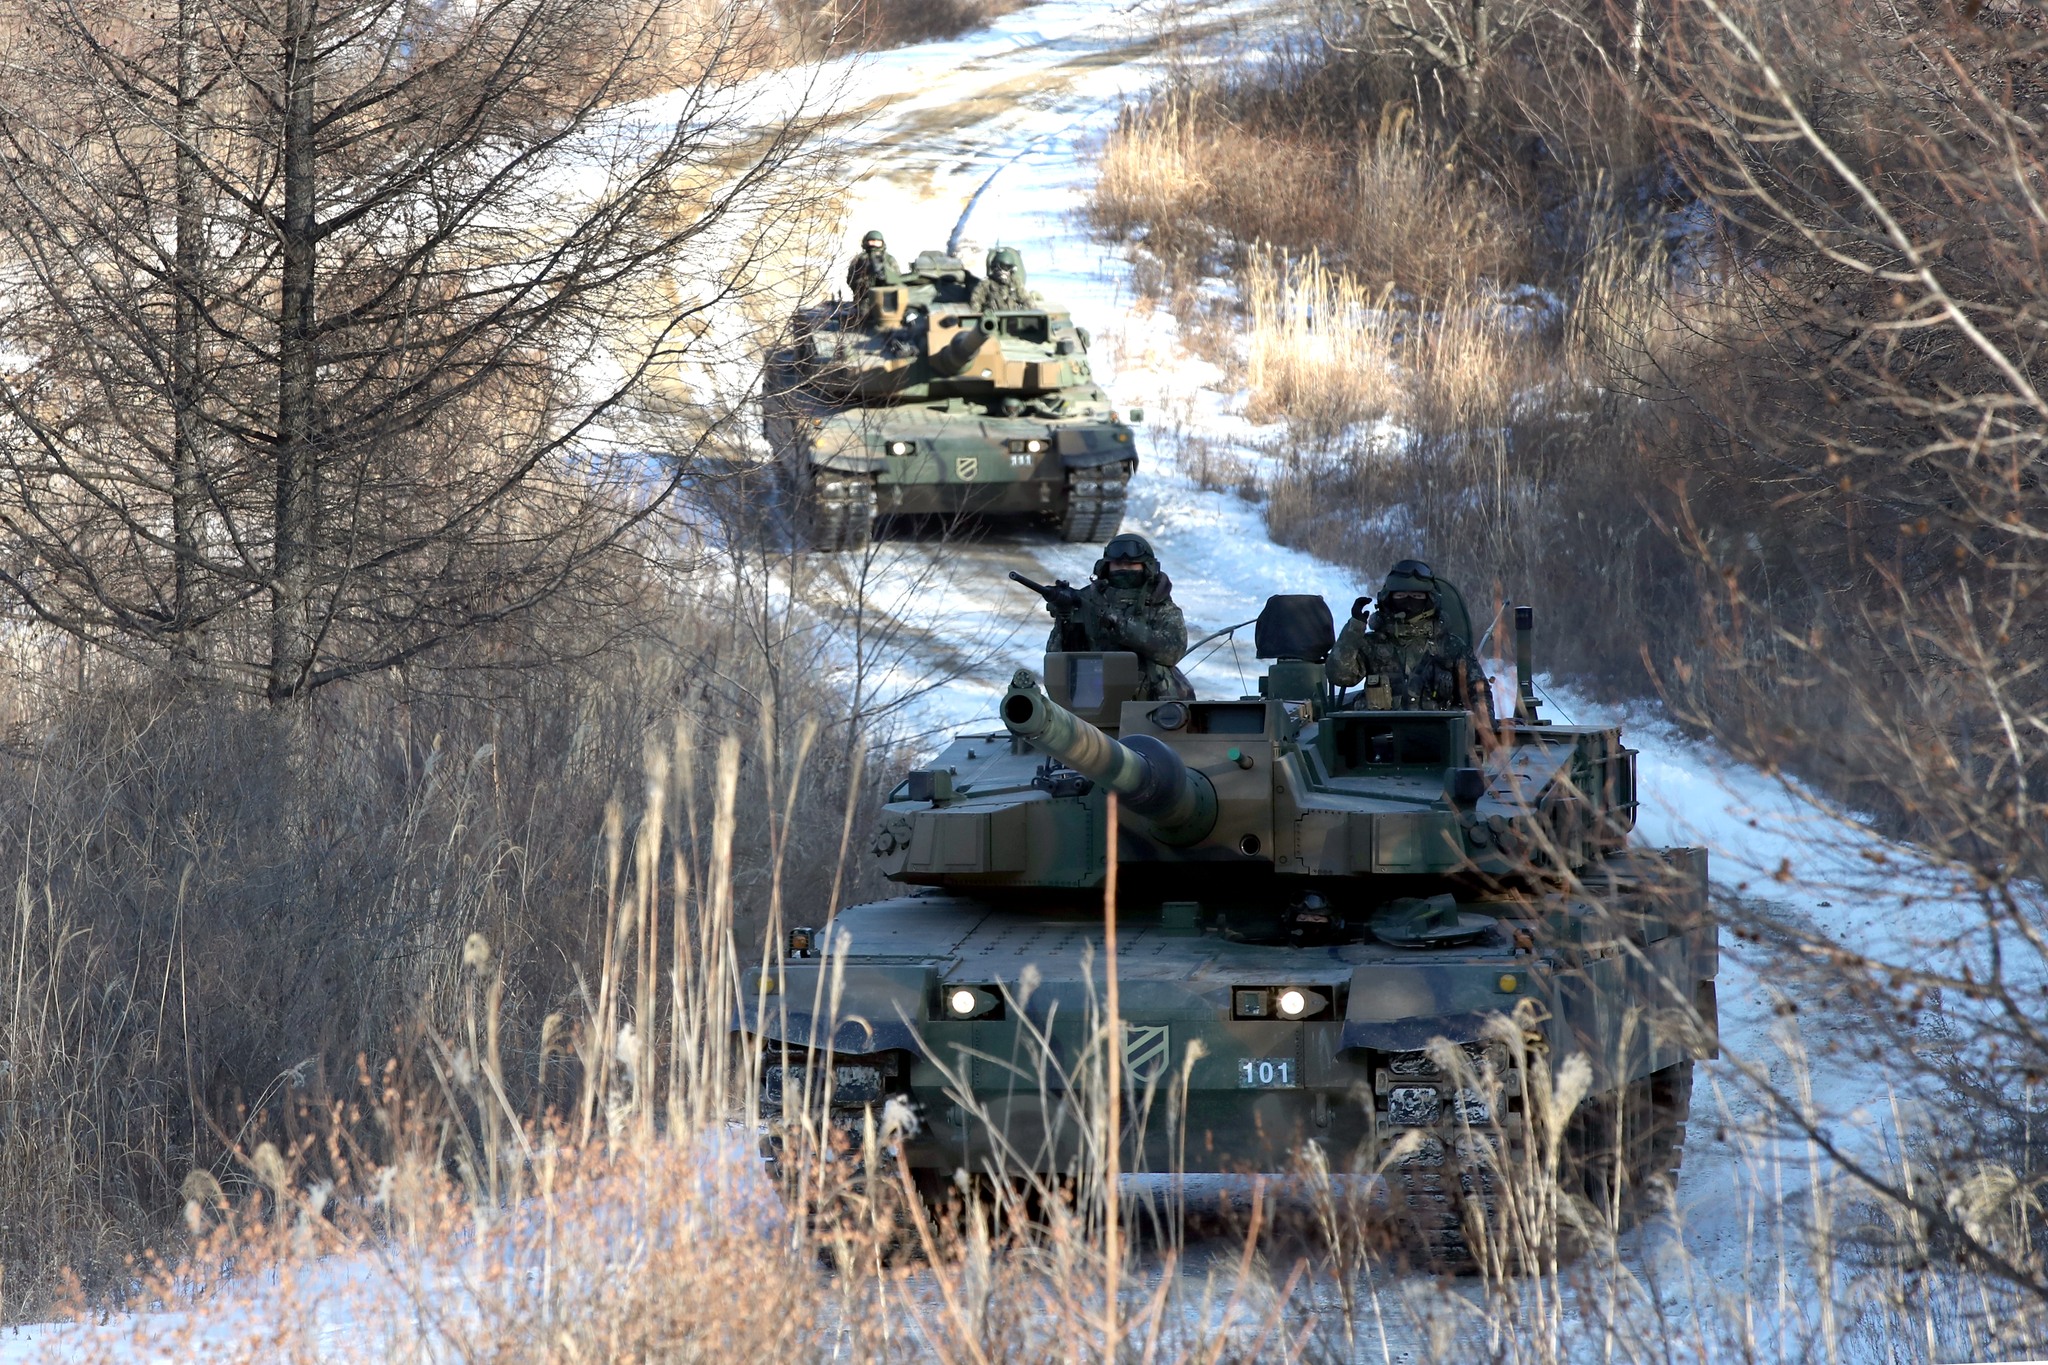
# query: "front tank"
{"type": "Point", "coordinates": [1325, 919]}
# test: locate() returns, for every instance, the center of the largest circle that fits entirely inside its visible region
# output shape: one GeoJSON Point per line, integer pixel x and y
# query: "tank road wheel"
{"type": "Point", "coordinates": [842, 510]}
{"type": "Point", "coordinates": [1095, 503]}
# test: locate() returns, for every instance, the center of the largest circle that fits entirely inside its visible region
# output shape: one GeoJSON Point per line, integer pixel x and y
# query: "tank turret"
{"type": "Point", "coordinates": [917, 351]}
{"type": "Point", "coordinates": [1308, 896]}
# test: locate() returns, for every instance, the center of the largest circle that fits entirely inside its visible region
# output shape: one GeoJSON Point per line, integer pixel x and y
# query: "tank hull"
{"type": "Point", "coordinates": [951, 458]}
{"type": "Point", "coordinates": [1211, 1091]}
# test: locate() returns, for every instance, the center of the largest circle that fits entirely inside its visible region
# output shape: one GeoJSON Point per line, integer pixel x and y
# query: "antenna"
{"type": "Point", "coordinates": [1525, 665]}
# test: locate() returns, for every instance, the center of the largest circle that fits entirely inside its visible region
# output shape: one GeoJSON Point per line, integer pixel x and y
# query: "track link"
{"type": "Point", "coordinates": [1095, 503]}
{"type": "Point", "coordinates": [1474, 1138]}
{"type": "Point", "coordinates": [842, 511]}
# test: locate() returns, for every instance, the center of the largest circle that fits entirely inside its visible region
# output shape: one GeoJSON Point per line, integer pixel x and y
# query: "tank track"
{"type": "Point", "coordinates": [1450, 1182]}
{"type": "Point", "coordinates": [1095, 503]}
{"type": "Point", "coordinates": [842, 511]}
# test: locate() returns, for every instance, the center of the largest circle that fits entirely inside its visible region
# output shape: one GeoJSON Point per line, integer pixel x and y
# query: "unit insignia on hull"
{"type": "Point", "coordinates": [1147, 1050]}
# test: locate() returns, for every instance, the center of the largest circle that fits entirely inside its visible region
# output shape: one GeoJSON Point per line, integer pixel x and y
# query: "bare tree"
{"type": "Point", "coordinates": [1863, 493]}
{"type": "Point", "coordinates": [328, 321]}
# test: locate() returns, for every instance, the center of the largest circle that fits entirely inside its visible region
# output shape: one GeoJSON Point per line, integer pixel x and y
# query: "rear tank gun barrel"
{"type": "Point", "coordinates": [953, 357]}
{"type": "Point", "coordinates": [1178, 803]}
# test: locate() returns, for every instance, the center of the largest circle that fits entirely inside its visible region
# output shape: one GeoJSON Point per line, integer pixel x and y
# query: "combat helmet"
{"type": "Point", "coordinates": [1010, 259]}
{"type": "Point", "coordinates": [872, 236]}
{"type": "Point", "coordinates": [1128, 546]}
{"type": "Point", "coordinates": [1413, 576]}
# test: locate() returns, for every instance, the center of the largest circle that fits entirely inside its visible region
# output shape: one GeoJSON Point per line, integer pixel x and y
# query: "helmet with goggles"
{"type": "Point", "coordinates": [1413, 590]}
{"type": "Point", "coordinates": [1127, 561]}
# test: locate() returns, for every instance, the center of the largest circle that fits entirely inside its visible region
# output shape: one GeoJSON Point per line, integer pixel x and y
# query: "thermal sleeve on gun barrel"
{"type": "Point", "coordinates": [1178, 803]}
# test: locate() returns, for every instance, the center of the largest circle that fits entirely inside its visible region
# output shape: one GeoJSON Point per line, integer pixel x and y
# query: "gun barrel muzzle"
{"type": "Point", "coordinates": [955, 356]}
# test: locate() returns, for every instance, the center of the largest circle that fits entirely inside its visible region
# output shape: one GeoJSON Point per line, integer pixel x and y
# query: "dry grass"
{"type": "Point", "coordinates": [818, 28]}
{"type": "Point", "coordinates": [218, 907]}
{"type": "Point", "coordinates": [1321, 347]}
{"type": "Point", "coordinates": [424, 1212]}
{"type": "Point", "coordinates": [1297, 153]}
{"type": "Point", "coordinates": [1418, 225]}
{"type": "Point", "coordinates": [1198, 186]}
{"type": "Point", "coordinates": [1458, 331]}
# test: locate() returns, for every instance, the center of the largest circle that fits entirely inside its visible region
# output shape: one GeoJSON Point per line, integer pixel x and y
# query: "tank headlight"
{"type": "Point", "coordinates": [1295, 1002]}
{"type": "Point", "coordinates": [1034, 447]}
{"type": "Point", "coordinates": [968, 1002]}
{"type": "Point", "coordinates": [902, 447]}
{"type": "Point", "coordinates": [1277, 1002]}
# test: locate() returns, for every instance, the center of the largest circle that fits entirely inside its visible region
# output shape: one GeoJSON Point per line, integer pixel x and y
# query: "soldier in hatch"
{"type": "Point", "coordinates": [1408, 657]}
{"type": "Point", "coordinates": [1004, 287]}
{"type": "Point", "coordinates": [873, 266]}
{"type": "Point", "coordinates": [1127, 605]}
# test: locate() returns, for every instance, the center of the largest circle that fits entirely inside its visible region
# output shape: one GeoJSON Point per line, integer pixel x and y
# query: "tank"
{"type": "Point", "coordinates": [1313, 904]}
{"type": "Point", "coordinates": [928, 406]}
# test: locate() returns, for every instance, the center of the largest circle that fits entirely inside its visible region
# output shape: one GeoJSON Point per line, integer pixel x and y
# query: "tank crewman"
{"type": "Point", "coordinates": [1128, 605]}
{"type": "Point", "coordinates": [1004, 287]}
{"type": "Point", "coordinates": [1408, 657]}
{"type": "Point", "coordinates": [873, 266]}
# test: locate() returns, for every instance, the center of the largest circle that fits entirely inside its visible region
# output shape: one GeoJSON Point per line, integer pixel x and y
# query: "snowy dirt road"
{"type": "Point", "coordinates": [986, 141]}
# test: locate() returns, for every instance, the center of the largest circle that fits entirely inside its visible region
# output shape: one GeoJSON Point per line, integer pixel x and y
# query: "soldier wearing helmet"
{"type": "Point", "coordinates": [873, 266]}
{"type": "Point", "coordinates": [1407, 654]}
{"type": "Point", "coordinates": [1004, 287]}
{"type": "Point", "coordinates": [1128, 605]}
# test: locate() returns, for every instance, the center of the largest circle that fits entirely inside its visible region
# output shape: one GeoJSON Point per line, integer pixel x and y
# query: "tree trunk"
{"type": "Point", "coordinates": [187, 492]}
{"type": "Point", "coordinates": [1475, 70]}
{"type": "Point", "coordinates": [297, 523]}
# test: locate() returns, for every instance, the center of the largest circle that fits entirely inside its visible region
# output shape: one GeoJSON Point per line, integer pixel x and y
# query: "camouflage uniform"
{"type": "Point", "coordinates": [998, 294]}
{"type": "Point", "coordinates": [1409, 663]}
{"type": "Point", "coordinates": [1141, 618]}
{"type": "Point", "coordinates": [873, 266]}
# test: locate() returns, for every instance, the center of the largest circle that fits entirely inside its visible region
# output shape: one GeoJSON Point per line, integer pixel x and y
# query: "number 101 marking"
{"type": "Point", "coordinates": [1266, 1073]}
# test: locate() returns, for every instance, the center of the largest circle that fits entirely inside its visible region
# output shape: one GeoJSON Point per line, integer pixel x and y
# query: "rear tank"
{"type": "Point", "coordinates": [1324, 917]}
{"type": "Point", "coordinates": [929, 406]}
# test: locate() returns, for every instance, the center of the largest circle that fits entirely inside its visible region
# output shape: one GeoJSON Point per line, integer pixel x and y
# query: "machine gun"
{"type": "Point", "coordinates": [1063, 597]}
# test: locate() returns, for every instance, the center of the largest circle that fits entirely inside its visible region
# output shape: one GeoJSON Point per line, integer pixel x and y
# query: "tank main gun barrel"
{"type": "Point", "coordinates": [953, 357]}
{"type": "Point", "coordinates": [1177, 802]}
